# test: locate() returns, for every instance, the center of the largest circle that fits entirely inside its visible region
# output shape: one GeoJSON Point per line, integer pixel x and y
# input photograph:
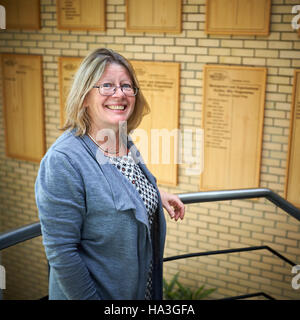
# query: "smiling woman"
{"type": "Point", "coordinates": [88, 76]}
{"type": "Point", "coordinates": [101, 218]}
{"type": "Point", "coordinates": [107, 107]}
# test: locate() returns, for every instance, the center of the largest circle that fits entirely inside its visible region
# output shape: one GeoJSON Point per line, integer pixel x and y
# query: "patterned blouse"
{"type": "Point", "coordinates": [127, 166]}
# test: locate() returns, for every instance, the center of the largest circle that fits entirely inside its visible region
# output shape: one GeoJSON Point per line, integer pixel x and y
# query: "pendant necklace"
{"type": "Point", "coordinates": [113, 153]}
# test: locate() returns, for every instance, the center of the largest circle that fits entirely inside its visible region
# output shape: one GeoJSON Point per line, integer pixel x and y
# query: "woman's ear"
{"type": "Point", "coordinates": [86, 101]}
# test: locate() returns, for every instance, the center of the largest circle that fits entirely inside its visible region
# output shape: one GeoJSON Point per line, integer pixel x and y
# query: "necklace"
{"type": "Point", "coordinates": [105, 151]}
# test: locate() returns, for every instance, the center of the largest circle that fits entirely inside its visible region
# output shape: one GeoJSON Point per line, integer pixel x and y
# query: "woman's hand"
{"type": "Point", "coordinates": [172, 204]}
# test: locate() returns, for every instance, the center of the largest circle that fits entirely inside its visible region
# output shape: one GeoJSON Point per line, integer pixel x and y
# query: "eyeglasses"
{"type": "Point", "coordinates": [107, 89]}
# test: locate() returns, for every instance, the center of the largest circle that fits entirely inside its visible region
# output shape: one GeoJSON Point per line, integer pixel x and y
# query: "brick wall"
{"type": "Point", "coordinates": [209, 226]}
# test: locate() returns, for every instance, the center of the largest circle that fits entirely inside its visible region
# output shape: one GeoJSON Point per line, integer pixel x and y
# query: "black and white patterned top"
{"type": "Point", "coordinates": [127, 166]}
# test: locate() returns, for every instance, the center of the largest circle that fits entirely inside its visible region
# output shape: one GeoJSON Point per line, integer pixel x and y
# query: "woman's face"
{"type": "Point", "coordinates": [107, 111]}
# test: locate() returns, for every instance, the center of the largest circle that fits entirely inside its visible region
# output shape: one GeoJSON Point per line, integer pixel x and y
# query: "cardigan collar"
{"type": "Point", "coordinates": [102, 159]}
{"type": "Point", "coordinates": [133, 199]}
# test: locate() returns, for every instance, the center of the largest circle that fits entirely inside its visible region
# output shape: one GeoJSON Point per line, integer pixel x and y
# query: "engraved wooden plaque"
{"type": "Point", "coordinates": [240, 17]}
{"type": "Point", "coordinates": [81, 14]}
{"type": "Point", "coordinates": [21, 14]}
{"type": "Point", "coordinates": [292, 187]}
{"type": "Point", "coordinates": [157, 135]}
{"type": "Point", "coordinates": [67, 69]}
{"type": "Point", "coordinates": [23, 106]}
{"type": "Point", "coordinates": [153, 16]}
{"type": "Point", "coordinates": [233, 111]}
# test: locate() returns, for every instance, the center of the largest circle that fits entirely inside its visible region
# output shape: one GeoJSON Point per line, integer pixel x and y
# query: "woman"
{"type": "Point", "coordinates": [100, 209]}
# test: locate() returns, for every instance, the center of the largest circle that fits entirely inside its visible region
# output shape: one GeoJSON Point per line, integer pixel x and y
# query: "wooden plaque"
{"type": "Point", "coordinates": [159, 82]}
{"type": "Point", "coordinates": [22, 14]}
{"type": "Point", "coordinates": [81, 14]}
{"type": "Point", "coordinates": [292, 187]}
{"type": "Point", "coordinates": [153, 16]}
{"type": "Point", "coordinates": [240, 17]}
{"type": "Point", "coordinates": [233, 111]}
{"type": "Point", "coordinates": [23, 106]}
{"type": "Point", "coordinates": [67, 69]}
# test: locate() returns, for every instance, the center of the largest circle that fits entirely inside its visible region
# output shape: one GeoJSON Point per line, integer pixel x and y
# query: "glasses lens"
{"type": "Point", "coordinates": [106, 91]}
{"type": "Point", "coordinates": [110, 90]}
{"type": "Point", "coordinates": [129, 91]}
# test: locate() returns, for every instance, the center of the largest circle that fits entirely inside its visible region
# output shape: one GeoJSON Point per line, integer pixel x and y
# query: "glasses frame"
{"type": "Point", "coordinates": [136, 90]}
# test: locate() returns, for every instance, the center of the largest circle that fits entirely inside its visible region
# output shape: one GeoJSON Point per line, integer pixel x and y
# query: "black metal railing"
{"type": "Point", "coordinates": [227, 251]}
{"type": "Point", "coordinates": [24, 233]}
{"type": "Point", "coordinates": [222, 195]}
{"type": "Point", "coordinates": [250, 295]}
{"type": "Point", "coordinates": [13, 237]}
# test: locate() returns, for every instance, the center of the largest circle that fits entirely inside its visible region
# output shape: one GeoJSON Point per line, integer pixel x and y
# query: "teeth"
{"type": "Point", "coordinates": [116, 107]}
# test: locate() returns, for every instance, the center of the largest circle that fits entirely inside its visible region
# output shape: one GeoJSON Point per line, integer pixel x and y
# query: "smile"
{"type": "Point", "coordinates": [116, 107]}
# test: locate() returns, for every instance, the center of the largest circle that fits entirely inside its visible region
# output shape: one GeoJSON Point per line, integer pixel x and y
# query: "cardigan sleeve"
{"type": "Point", "coordinates": [60, 198]}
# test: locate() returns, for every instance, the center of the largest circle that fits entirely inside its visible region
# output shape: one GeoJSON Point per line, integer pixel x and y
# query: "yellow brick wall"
{"type": "Point", "coordinates": [207, 226]}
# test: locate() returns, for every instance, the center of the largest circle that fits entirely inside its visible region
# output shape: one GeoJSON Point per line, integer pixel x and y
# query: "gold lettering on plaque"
{"type": "Point", "coordinates": [67, 69]}
{"type": "Point", "coordinates": [23, 105]}
{"type": "Point", "coordinates": [71, 10]}
{"type": "Point", "coordinates": [292, 188]}
{"type": "Point", "coordinates": [159, 82]}
{"type": "Point", "coordinates": [233, 110]}
{"type": "Point", "coordinates": [81, 14]}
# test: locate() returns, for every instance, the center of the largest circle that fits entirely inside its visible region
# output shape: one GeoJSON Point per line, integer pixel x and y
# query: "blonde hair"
{"type": "Point", "coordinates": [87, 75]}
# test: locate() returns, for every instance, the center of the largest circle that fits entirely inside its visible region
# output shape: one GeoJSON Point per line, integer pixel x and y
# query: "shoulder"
{"type": "Point", "coordinates": [67, 146]}
{"type": "Point", "coordinates": [67, 143]}
{"type": "Point", "coordinates": [63, 156]}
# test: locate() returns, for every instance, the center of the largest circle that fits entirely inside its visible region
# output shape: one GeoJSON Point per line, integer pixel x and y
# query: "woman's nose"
{"type": "Point", "coordinates": [118, 92]}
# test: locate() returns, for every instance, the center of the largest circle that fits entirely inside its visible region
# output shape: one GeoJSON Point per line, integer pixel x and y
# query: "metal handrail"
{"type": "Point", "coordinates": [222, 195]}
{"type": "Point", "coordinates": [30, 231]}
{"type": "Point", "coordinates": [226, 251]}
{"type": "Point", "coordinates": [250, 295]}
{"type": "Point", "coordinates": [15, 236]}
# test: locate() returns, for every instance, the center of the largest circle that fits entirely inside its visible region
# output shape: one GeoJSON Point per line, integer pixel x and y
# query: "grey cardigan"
{"type": "Point", "coordinates": [94, 225]}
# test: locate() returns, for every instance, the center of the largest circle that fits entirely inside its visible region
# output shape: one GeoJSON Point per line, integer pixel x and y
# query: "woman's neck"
{"type": "Point", "coordinates": [109, 141]}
